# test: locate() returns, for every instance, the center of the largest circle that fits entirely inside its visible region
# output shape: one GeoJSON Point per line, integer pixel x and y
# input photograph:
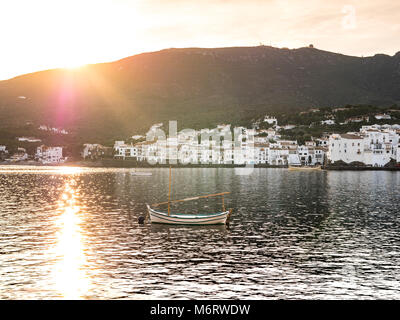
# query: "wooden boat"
{"type": "Point", "coordinates": [305, 168]}
{"type": "Point", "coordinates": [188, 219]}
{"type": "Point", "coordinates": [157, 216]}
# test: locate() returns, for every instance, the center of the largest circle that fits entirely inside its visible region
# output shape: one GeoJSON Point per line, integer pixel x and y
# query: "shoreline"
{"type": "Point", "coordinates": [112, 163]}
{"type": "Point", "coordinates": [349, 168]}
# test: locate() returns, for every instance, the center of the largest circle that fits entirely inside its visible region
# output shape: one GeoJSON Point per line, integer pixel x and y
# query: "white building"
{"type": "Point", "coordinates": [319, 155]}
{"type": "Point", "coordinates": [18, 156]}
{"type": "Point", "coordinates": [288, 126]}
{"type": "Point", "coordinates": [306, 155]}
{"type": "Point", "coordinates": [371, 147]}
{"type": "Point", "coordinates": [382, 116]}
{"type": "Point", "coordinates": [346, 147]}
{"type": "Point", "coordinates": [261, 153]}
{"type": "Point", "coordinates": [54, 130]}
{"type": "Point", "coordinates": [270, 120]}
{"type": "Point", "coordinates": [398, 154]}
{"type": "Point", "coordinates": [328, 122]}
{"type": "Point", "coordinates": [49, 155]}
{"type": "Point", "coordinates": [310, 143]}
{"type": "Point", "coordinates": [93, 151]}
{"type": "Point", "coordinates": [293, 157]}
{"type": "Point", "coordinates": [29, 139]}
{"type": "Point", "coordinates": [138, 137]}
{"type": "Point", "coordinates": [357, 119]}
{"type": "Point", "coordinates": [278, 156]}
{"type": "Point", "coordinates": [322, 142]}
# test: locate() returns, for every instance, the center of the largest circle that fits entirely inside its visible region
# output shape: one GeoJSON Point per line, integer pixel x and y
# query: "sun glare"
{"type": "Point", "coordinates": [69, 170]}
{"type": "Point", "coordinates": [69, 276]}
{"type": "Point", "coordinates": [74, 65]}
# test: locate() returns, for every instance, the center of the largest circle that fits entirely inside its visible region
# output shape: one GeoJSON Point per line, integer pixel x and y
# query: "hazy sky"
{"type": "Point", "coordinates": [43, 34]}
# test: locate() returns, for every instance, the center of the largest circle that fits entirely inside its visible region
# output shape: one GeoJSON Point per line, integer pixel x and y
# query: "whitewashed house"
{"type": "Point", "coordinates": [49, 155]}
{"type": "Point", "coordinates": [383, 116]}
{"type": "Point", "coordinates": [371, 147]}
{"type": "Point", "coordinates": [288, 126]}
{"type": "Point", "coordinates": [357, 119]}
{"type": "Point", "coordinates": [398, 154]}
{"type": "Point", "coordinates": [311, 143]}
{"type": "Point", "coordinates": [29, 139]}
{"type": "Point", "coordinates": [328, 122]}
{"type": "Point", "coordinates": [278, 156]}
{"type": "Point", "coordinates": [94, 151]}
{"type": "Point", "coordinates": [261, 153]}
{"type": "Point", "coordinates": [138, 137]}
{"type": "Point", "coordinates": [322, 142]}
{"type": "Point", "coordinates": [319, 155]}
{"type": "Point", "coordinates": [287, 144]}
{"type": "Point", "coordinates": [346, 147]}
{"type": "Point", "coordinates": [304, 155]}
{"type": "Point", "coordinates": [18, 156]}
{"type": "Point", "coordinates": [293, 157]}
{"type": "Point", "coordinates": [270, 120]}
{"type": "Point", "coordinates": [380, 146]}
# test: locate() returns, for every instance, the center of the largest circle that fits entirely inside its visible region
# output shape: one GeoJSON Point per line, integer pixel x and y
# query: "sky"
{"type": "Point", "coordinates": [44, 34]}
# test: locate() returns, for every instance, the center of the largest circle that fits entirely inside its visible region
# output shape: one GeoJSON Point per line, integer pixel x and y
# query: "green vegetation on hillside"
{"type": "Point", "coordinates": [198, 87]}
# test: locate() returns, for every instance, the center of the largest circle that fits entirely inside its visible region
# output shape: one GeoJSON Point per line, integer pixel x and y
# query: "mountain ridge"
{"type": "Point", "coordinates": [199, 87]}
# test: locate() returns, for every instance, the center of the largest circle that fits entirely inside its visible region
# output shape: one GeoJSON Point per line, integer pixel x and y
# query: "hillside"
{"type": "Point", "coordinates": [198, 87]}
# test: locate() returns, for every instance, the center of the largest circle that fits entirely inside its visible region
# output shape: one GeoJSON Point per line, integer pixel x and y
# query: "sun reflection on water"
{"type": "Point", "coordinates": [69, 275]}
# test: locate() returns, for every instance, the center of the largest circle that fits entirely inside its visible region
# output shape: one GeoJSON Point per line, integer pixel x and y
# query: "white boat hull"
{"type": "Point", "coordinates": [188, 219]}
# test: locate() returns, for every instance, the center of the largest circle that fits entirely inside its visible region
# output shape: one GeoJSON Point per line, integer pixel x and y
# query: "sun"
{"type": "Point", "coordinates": [71, 58]}
{"type": "Point", "coordinates": [73, 64]}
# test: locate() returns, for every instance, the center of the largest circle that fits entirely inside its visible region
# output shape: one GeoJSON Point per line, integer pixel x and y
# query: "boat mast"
{"type": "Point", "coordinates": [169, 192]}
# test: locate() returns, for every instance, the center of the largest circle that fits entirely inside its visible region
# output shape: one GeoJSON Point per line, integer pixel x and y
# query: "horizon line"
{"type": "Point", "coordinates": [183, 48]}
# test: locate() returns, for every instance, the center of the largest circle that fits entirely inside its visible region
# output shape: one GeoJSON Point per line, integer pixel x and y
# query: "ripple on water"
{"type": "Point", "coordinates": [74, 234]}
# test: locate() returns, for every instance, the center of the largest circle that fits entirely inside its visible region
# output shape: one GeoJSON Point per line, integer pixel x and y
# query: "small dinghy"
{"type": "Point", "coordinates": [157, 216]}
{"type": "Point", "coordinates": [190, 219]}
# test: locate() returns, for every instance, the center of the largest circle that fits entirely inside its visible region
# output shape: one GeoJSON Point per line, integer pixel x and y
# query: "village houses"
{"type": "Point", "coordinates": [374, 145]}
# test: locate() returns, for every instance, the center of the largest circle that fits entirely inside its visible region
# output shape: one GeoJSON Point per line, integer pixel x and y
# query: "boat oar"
{"type": "Point", "coordinates": [192, 198]}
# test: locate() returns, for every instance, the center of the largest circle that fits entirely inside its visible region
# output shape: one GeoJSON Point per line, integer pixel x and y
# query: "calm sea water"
{"type": "Point", "coordinates": [73, 233]}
